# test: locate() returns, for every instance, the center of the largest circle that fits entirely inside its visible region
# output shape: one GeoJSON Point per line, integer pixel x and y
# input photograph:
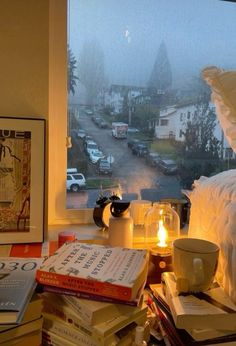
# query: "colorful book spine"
{"type": "Point", "coordinates": [136, 302]}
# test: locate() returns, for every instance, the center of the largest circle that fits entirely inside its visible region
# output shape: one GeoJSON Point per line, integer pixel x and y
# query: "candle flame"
{"type": "Point", "coordinates": [162, 235]}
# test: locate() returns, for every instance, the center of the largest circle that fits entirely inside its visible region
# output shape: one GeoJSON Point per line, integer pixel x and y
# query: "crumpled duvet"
{"type": "Point", "coordinates": [213, 217]}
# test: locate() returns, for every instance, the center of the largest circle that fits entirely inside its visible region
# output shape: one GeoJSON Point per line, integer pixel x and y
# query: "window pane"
{"type": "Point", "coordinates": [136, 98]}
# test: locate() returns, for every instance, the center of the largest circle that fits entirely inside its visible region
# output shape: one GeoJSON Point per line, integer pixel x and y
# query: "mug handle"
{"type": "Point", "coordinates": [198, 271]}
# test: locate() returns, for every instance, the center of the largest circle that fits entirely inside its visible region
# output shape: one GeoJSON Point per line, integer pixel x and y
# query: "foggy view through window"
{"type": "Point", "coordinates": [139, 114]}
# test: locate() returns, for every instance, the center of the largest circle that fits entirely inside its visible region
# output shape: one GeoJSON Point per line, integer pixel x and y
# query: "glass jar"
{"type": "Point", "coordinates": [162, 227]}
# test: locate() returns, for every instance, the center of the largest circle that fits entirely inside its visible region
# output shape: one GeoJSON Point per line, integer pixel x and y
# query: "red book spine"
{"type": "Point", "coordinates": [84, 285]}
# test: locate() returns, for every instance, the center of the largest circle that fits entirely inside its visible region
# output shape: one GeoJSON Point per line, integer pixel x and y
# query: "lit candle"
{"type": "Point", "coordinates": [162, 235]}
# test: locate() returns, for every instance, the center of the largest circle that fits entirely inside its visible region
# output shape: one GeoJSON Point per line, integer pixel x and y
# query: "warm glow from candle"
{"type": "Point", "coordinates": [162, 235]}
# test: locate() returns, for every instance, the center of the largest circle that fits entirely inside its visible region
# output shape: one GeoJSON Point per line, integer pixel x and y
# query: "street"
{"type": "Point", "coordinates": [132, 172]}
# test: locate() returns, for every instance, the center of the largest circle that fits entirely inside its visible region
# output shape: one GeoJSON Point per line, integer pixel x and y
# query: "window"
{"type": "Point", "coordinates": [116, 50]}
{"type": "Point", "coordinates": [164, 122]}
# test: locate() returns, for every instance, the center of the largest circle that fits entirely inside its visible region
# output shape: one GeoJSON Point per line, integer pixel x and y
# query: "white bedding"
{"type": "Point", "coordinates": [213, 217]}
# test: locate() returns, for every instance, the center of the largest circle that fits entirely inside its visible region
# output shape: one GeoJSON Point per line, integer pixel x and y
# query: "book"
{"type": "Point", "coordinates": [51, 339]}
{"type": "Point", "coordinates": [33, 311]}
{"type": "Point", "coordinates": [196, 334]}
{"type": "Point", "coordinates": [210, 309]}
{"type": "Point", "coordinates": [65, 330]}
{"type": "Point", "coordinates": [93, 312]}
{"type": "Point", "coordinates": [21, 330]}
{"type": "Point", "coordinates": [89, 296]}
{"type": "Point", "coordinates": [17, 285]}
{"type": "Point", "coordinates": [33, 339]}
{"type": "Point", "coordinates": [113, 272]}
{"type": "Point", "coordinates": [110, 324]}
{"type": "Point", "coordinates": [180, 337]}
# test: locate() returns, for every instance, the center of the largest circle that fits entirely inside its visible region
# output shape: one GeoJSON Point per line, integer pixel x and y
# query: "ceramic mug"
{"type": "Point", "coordinates": [194, 264]}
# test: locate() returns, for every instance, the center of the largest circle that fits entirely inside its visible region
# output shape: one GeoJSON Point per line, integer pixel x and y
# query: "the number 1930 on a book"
{"type": "Point", "coordinates": [114, 272]}
{"type": "Point", "coordinates": [17, 285]}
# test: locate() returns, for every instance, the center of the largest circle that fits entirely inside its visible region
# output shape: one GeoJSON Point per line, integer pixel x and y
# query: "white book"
{"type": "Point", "coordinates": [95, 312]}
{"type": "Point", "coordinates": [108, 271]}
{"type": "Point", "coordinates": [55, 305]}
{"type": "Point", "coordinates": [196, 334]}
{"type": "Point", "coordinates": [65, 330]}
{"type": "Point", "coordinates": [214, 310]}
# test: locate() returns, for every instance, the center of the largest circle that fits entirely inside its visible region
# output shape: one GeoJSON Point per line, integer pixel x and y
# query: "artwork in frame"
{"type": "Point", "coordinates": [22, 180]}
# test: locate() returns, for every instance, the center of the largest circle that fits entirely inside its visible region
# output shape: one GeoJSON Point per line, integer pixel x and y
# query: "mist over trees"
{"type": "Point", "coordinates": [161, 75]}
{"type": "Point", "coordinates": [91, 69]}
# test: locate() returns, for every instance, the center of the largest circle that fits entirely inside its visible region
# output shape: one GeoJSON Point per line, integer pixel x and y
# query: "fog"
{"type": "Point", "coordinates": [196, 33]}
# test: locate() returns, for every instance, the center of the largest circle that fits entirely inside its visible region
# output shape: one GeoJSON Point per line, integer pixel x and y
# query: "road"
{"type": "Point", "coordinates": [132, 172]}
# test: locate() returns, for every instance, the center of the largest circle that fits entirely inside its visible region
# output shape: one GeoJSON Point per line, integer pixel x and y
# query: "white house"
{"type": "Point", "coordinates": [173, 122]}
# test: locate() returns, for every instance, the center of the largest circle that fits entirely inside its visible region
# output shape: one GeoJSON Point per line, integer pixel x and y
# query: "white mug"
{"type": "Point", "coordinates": [138, 209]}
{"type": "Point", "coordinates": [194, 264]}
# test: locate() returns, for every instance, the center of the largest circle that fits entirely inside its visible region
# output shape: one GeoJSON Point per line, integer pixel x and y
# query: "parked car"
{"type": "Point", "coordinates": [104, 167]}
{"type": "Point", "coordinates": [140, 149]}
{"type": "Point", "coordinates": [86, 139]}
{"type": "Point", "coordinates": [75, 181]}
{"type": "Point", "coordinates": [132, 130]}
{"type": "Point", "coordinates": [96, 155]}
{"type": "Point", "coordinates": [97, 120]}
{"type": "Point", "coordinates": [132, 141]}
{"type": "Point", "coordinates": [81, 133]}
{"type": "Point", "coordinates": [153, 158]}
{"type": "Point", "coordinates": [103, 125]}
{"type": "Point", "coordinates": [90, 146]}
{"type": "Point", "coordinates": [89, 112]}
{"type": "Point", "coordinates": [168, 166]}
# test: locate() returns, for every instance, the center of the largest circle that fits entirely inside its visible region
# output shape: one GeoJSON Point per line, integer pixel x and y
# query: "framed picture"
{"type": "Point", "coordinates": [22, 180]}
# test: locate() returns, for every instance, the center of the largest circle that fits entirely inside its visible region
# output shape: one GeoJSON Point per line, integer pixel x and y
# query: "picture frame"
{"type": "Point", "coordinates": [22, 180]}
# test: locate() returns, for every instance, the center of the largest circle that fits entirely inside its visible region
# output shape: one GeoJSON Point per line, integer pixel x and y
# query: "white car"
{"type": "Point", "coordinates": [91, 146]}
{"type": "Point", "coordinates": [75, 181]}
{"type": "Point", "coordinates": [96, 155]}
{"type": "Point", "coordinates": [81, 133]}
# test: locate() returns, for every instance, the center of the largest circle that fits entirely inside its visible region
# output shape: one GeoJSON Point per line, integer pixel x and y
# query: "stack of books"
{"type": "Point", "coordinates": [20, 306]}
{"type": "Point", "coordinates": [93, 294]}
{"type": "Point", "coordinates": [205, 318]}
{"type": "Point", "coordinates": [84, 322]}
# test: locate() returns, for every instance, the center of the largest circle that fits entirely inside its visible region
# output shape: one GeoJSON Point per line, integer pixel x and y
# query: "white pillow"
{"type": "Point", "coordinates": [213, 217]}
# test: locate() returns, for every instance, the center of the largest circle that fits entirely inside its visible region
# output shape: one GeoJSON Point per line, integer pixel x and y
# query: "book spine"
{"type": "Point", "coordinates": [101, 330]}
{"type": "Point", "coordinates": [90, 296]}
{"type": "Point", "coordinates": [68, 332]}
{"type": "Point", "coordinates": [84, 285]}
{"type": "Point", "coordinates": [71, 319]}
{"type": "Point", "coordinates": [51, 339]}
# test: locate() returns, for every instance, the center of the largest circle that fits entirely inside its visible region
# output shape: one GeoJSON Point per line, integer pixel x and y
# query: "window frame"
{"type": "Point", "coordinates": [57, 130]}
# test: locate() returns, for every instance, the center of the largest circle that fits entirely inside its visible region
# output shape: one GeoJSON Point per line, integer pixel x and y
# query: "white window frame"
{"type": "Point", "coordinates": [57, 122]}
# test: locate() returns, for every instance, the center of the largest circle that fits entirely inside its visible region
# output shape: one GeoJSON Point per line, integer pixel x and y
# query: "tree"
{"type": "Point", "coordinates": [200, 140]}
{"type": "Point", "coordinates": [71, 71]}
{"type": "Point", "coordinates": [200, 154]}
{"type": "Point", "coordinates": [161, 75]}
{"type": "Point", "coordinates": [91, 69]}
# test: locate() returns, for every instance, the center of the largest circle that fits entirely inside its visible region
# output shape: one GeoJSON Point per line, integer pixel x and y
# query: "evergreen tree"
{"type": "Point", "coordinates": [71, 71]}
{"type": "Point", "coordinates": [161, 75]}
{"type": "Point", "coordinates": [91, 69]}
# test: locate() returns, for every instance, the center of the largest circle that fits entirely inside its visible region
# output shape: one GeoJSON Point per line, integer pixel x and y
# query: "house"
{"type": "Point", "coordinates": [173, 123]}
